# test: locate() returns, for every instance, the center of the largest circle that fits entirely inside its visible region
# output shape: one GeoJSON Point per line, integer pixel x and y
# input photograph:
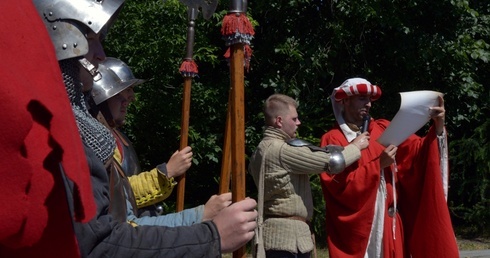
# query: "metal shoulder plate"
{"type": "Point", "coordinates": [302, 143]}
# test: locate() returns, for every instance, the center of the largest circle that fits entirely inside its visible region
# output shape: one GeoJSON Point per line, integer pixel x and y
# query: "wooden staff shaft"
{"type": "Point", "coordinates": [238, 129]}
{"type": "Point", "coordinates": [224, 184]}
{"type": "Point", "coordinates": [184, 135]}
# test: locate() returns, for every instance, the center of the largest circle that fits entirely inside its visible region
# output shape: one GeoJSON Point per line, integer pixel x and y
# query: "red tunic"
{"type": "Point", "coordinates": [423, 225]}
{"type": "Point", "coordinates": [37, 134]}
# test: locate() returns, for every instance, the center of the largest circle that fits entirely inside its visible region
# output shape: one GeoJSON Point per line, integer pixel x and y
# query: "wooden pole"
{"type": "Point", "coordinates": [238, 129]}
{"type": "Point", "coordinates": [224, 184]}
{"type": "Point", "coordinates": [184, 133]}
{"type": "Point", "coordinates": [237, 32]}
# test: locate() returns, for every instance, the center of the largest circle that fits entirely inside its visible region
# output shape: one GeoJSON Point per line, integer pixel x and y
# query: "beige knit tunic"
{"type": "Point", "coordinates": [287, 190]}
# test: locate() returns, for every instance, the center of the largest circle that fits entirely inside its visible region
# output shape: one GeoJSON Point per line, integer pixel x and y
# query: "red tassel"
{"type": "Point", "coordinates": [233, 23]}
{"type": "Point", "coordinates": [188, 68]}
{"type": "Point", "coordinates": [237, 28]}
{"type": "Point", "coordinates": [227, 53]}
{"type": "Point", "coordinates": [248, 56]}
{"type": "Point", "coordinates": [247, 52]}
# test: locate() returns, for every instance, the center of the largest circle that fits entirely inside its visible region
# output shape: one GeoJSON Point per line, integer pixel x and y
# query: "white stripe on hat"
{"type": "Point", "coordinates": [356, 90]}
{"type": "Point", "coordinates": [348, 91]}
{"type": "Point", "coordinates": [369, 89]}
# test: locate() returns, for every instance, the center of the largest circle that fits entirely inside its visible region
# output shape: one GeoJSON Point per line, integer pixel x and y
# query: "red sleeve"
{"type": "Point", "coordinates": [423, 206]}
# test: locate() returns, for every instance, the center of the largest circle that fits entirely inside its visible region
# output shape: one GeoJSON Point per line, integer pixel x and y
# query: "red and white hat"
{"type": "Point", "coordinates": [356, 86]}
{"type": "Point", "coordinates": [351, 87]}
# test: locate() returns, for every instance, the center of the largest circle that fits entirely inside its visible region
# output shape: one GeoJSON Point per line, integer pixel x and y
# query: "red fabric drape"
{"type": "Point", "coordinates": [37, 133]}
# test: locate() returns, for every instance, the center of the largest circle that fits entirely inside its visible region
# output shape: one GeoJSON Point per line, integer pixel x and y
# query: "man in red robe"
{"type": "Point", "coordinates": [45, 181]}
{"type": "Point", "coordinates": [392, 202]}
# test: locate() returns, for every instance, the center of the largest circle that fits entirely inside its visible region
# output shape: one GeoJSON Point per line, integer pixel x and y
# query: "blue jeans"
{"type": "Point", "coordinates": [285, 254]}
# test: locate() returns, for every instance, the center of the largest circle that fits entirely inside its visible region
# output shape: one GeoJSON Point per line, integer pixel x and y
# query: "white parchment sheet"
{"type": "Point", "coordinates": [413, 114]}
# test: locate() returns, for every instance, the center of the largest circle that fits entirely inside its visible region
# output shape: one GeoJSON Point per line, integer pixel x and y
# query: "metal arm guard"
{"type": "Point", "coordinates": [336, 164]}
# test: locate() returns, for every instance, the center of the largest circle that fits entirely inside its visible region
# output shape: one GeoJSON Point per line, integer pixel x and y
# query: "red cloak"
{"type": "Point", "coordinates": [423, 224]}
{"type": "Point", "coordinates": [37, 133]}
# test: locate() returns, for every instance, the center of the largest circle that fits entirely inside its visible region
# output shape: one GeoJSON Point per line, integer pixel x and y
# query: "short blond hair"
{"type": "Point", "coordinates": [277, 105]}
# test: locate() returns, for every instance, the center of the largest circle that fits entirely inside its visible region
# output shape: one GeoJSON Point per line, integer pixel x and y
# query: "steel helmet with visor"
{"type": "Point", "coordinates": [116, 77]}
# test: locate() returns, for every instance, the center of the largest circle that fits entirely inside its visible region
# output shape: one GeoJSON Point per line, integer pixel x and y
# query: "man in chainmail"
{"type": "Point", "coordinates": [93, 133]}
{"type": "Point", "coordinates": [76, 28]}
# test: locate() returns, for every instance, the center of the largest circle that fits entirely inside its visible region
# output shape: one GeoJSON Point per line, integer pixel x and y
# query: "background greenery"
{"type": "Point", "coordinates": [305, 48]}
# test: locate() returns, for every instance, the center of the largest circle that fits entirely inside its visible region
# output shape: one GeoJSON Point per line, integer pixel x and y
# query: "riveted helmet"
{"type": "Point", "coordinates": [116, 77]}
{"type": "Point", "coordinates": [68, 22]}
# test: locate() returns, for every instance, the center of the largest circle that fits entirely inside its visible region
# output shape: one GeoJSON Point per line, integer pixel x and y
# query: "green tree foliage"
{"type": "Point", "coordinates": [305, 48]}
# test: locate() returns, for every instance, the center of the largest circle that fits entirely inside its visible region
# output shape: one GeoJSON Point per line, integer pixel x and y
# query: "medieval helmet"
{"type": "Point", "coordinates": [116, 77]}
{"type": "Point", "coordinates": [68, 21]}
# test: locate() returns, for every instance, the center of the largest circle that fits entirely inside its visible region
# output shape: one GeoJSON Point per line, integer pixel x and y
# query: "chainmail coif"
{"type": "Point", "coordinates": [93, 133]}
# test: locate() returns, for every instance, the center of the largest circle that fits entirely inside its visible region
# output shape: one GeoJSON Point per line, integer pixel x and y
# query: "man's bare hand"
{"type": "Point", "coordinates": [438, 114]}
{"type": "Point", "coordinates": [215, 204]}
{"type": "Point", "coordinates": [236, 224]}
{"type": "Point", "coordinates": [387, 157]}
{"type": "Point", "coordinates": [180, 162]}
{"type": "Point", "coordinates": [362, 141]}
